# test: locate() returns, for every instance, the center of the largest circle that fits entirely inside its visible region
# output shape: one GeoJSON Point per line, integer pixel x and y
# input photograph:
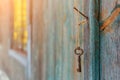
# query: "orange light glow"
{"type": "Point", "coordinates": [20, 35]}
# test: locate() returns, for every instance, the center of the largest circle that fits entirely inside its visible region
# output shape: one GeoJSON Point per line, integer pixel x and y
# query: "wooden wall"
{"type": "Point", "coordinates": [110, 43]}
{"type": "Point", "coordinates": [55, 35]}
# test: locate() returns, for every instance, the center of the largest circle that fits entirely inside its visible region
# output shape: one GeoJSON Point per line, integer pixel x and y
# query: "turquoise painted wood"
{"type": "Point", "coordinates": [101, 48]}
{"type": "Point", "coordinates": [94, 15]}
{"type": "Point", "coordinates": [110, 44]}
{"type": "Point", "coordinates": [61, 28]}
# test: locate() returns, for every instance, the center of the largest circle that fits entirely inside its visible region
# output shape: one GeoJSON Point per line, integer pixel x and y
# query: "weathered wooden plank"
{"type": "Point", "coordinates": [37, 23]}
{"type": "Point", "coordinates": [67, 58]}
{"type": "Point", "coordinates": [111, 18]}
{"type": "Point", "coordinates": [50, 66]}
{"type": "Point", "coordinates": [94, 40]}
{"type": "Point", "coordinates": [58, 16]}
{"type": "Point", "coordinates": [86, 44]}
{"type": "Point", "coordinates": [110, 47]}
{"type": "Point", "coordinates": [79, 37]}
{"type": "Point", "coordinates": [61, 31]}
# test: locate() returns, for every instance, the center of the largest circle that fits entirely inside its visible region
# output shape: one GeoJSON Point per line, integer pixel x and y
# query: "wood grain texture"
{"type": "Point", "coordinates": [110, 45]}
{"type": "Point", "coordinates": [86, 44]}
{"type": "Point", "coordinates": [61, 26]}
{"type": "Point", "coordinates": [111, 18]}
{"type": "Point", "coordinates": [94, 40]}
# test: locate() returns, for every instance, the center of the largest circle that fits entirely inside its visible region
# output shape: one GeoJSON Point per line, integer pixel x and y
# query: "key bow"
{"type": "Point", "coordinates": [78, 51]}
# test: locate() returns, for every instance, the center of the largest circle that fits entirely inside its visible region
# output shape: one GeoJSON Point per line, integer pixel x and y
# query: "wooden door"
{"type": "Point", "coordinates": [110, 41]}
{"type": "Point", "coordinates": [62, 34]}
{"type": "Point", "coordinates": [101, 47]}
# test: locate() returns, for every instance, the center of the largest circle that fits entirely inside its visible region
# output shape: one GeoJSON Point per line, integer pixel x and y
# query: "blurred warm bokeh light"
{"type": "Point", "coordinates": [20, 34]}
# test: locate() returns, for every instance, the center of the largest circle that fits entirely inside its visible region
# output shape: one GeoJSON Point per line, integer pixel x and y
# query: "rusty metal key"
{"type": "Point", "coordinates": [78, 51]}
{"type": "Point", "coordinates": [79, 64]}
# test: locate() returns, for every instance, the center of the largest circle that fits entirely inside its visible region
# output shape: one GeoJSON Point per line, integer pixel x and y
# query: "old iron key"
{"type": "Point", "coordinates": [78, 51]}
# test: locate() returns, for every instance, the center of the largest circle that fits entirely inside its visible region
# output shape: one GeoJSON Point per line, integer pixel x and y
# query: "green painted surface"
{"type": "Point", "coordinates": [94, 40]}
{"type": "Point", "coordinates": [61, 28]}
